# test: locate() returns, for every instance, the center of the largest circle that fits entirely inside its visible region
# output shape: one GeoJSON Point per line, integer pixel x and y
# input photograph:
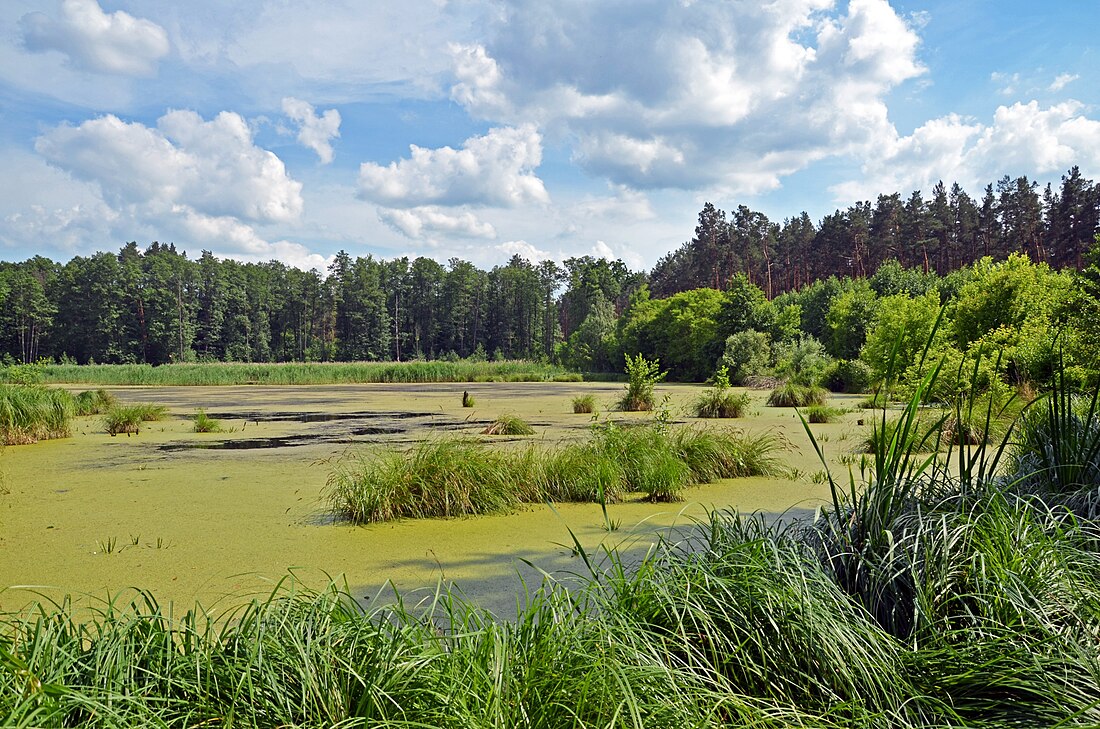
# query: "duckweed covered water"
{"type": "Point", "coordinates": [214, 517]}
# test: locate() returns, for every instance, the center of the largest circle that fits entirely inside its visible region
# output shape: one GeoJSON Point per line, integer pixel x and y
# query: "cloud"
{"type": "Point", "coordinates": [211, 167]}
{"type": "Point", "coordinates": [114, 43]}
{"type": "Point", "coordinates": [203, 183]}
{"type": "Point", "coordinates": [523, 249]}
{"type": "Point", "coordinates": [1062, 80]}
{"type": "Point", "coordinates": [314, 132]}
{"type": "Point", "coordinates": [420, 222]}
{"type": "Point", "coordinates": [494, 169]}
{"type": "Point", "coordinates": [693, 95]}
{"type": "Point", "coordinates": [1021, 139]}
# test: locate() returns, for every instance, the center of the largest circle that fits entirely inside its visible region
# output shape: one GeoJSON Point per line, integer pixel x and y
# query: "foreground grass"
{"type": "Point", "coordinates": [299, 373]}
{"type": "Point", "coordinates": [458, 477]}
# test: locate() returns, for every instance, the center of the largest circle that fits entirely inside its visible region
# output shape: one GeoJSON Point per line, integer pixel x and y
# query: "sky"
{"type": "Point", "coordinates": [479, 129]}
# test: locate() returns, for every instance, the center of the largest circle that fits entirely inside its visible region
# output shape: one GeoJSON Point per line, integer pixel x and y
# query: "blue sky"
{"type": "Point", "coordinates": [478, 129]}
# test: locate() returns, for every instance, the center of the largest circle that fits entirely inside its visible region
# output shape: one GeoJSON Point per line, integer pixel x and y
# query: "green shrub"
{"type": "Point", "coordinates": [847, 376]}
{"type": "Point", "coordinates": [792, 395]}
{"type": "Point", "coordinates": [642, 376]}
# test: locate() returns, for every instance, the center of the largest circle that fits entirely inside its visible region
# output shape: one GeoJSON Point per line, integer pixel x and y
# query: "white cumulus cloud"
{"type": "Point", "coordinates": [115, 43]}
{"type": "Point", "coordinates": [1020, 139]}
{"type": "Point", "coordinates": [314, 132]}
{"type": "Point", "coordinates": [212, 167]}
{"type": "Point", "coordinates": [693, 95]}
{"type": "Point", "coordinates": [426, 220]}
{"type": "Point", "coordinates": [494, 169]}
{"type": "Point", "coordinates": [203, 183]}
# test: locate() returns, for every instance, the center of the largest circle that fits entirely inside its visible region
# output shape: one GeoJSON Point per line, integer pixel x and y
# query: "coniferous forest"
{"type": "Point", "coordinates": [1014, 264]}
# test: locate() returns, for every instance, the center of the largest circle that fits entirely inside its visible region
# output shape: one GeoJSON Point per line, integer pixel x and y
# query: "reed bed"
{"type": "Point", "coordinates": [459, 477]}
{"type": "Point", "coordinates": [306, 373]}
{"type": "Point", "coordinates": [30, 413]}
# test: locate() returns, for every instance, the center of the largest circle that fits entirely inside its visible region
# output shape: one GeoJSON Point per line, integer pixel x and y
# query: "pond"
{"type": "Point", "coordinates": [220, 517]}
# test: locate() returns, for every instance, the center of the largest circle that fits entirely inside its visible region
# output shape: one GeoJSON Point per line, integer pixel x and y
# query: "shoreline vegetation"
{"type": "Point", "coordinates": [304, 373]}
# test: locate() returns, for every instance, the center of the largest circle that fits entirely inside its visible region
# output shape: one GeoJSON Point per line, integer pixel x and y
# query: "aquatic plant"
{"type": "Point", "coordinates": [459, 477]}
{"type": "Point", "coordinates": [94, 402]}
{"type": "Point", "coordinates": [508, 425]}
{"type": "Point", "coordinates": [642, 377]}
{"type": "Point", "coordinates": [30, 413]}
{"type": "Point", "coordinates": [822, 414]}
{"type": "Point", "coordinates": [206, 424]}
{"type": "Point", "coordinates": [794, 395]}
{"type": "Point", "coordinates": [584, 404]}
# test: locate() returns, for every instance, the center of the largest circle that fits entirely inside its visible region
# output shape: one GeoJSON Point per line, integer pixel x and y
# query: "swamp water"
{"type": "Point", "coordinates": [221, 517]}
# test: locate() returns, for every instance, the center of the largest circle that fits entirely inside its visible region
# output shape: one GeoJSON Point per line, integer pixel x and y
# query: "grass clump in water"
{"type": "Point", "coordinates": [719, 401]}
{"type": "Point", "coordinates": [30, 413]}
{"type": "Point", "coordinates": [123, 419]}
{"type": "Point", "coordinates": [206, 424]}
{"type": "Point", "coordinates": [822, 414]}
{"type": "Point", "coordinates": [794, 395]}
{"type": "Point", "coordinates": [508, 425]}
{"type": "Point", "coordinates": [94, 402]}
{"type": "Point", "coordinates": [584, 404]}
{"type": "Point", "coordinates": [460, 477]}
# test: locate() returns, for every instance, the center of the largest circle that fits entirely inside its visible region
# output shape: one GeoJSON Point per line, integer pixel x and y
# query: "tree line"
{"type": "Point", "coordinates": [157, 305]}
{"type": "Point", "coordinates": [947, 231]}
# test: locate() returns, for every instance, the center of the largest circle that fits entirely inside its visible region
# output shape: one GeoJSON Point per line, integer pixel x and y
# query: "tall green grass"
{"type": "Point", "coordinates": [30, 413]}
{"type": "Point", "coordinates": [463, 477]}
{"type": "Point", "coordinates": [302, 373]}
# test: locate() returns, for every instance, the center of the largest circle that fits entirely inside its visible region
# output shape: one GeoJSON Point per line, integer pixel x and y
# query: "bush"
{"type": "Point", "coordinates": [747, 354]}
{"type": "Point", "coordinates": [845, 375]}
{"type": "Point", "coordinates": [642, 376]}
{"type": "Point", "coordinates": [802, 362]}
{"type": "Point", "coordinates": [792, 395]}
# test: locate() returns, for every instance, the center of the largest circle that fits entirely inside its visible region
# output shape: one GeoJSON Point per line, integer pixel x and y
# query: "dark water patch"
{"type": "Point", "coordinates": [313, 417]}
{"type": "Point", "coordinates": [243, 444]}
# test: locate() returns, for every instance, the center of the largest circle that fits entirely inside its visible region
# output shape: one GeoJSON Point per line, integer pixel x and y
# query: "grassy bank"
{"type": "Point", "coordinates": [30, 413]}
{"type": "Point", "coordinates": [300, 373]}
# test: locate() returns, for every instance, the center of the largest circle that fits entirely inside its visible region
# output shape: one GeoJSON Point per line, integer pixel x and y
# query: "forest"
{"type": "Point", "coordinates": [1012, 266]}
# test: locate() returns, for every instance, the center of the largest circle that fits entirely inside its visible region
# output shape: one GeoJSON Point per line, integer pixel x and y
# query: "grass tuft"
{"type": "Point", "coordinates": [508, 425]}
{"type": "Point", "coordinates": [792, 395]}
{"type": "Point", "coordinates": [822, 414]}
{"type": "Point", "coordinates": [584, 404]}
{"type": "Point", "coordinates": [206, 424]}
{"type": "Point", "coordinates": [94, 402]}
{"type": "Point", "coordinates": [30, 413]}
{"type": "Point", "coordinates": [720, 403]}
